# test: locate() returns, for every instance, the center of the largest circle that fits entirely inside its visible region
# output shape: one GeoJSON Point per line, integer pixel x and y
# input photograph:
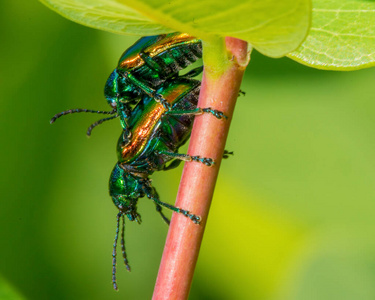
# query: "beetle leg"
{"type": "Point", "coordinates": [147, 90]}
{"type": "Point", "coordinates": [174, 164]}
{"type": "Point", "coordinates": [126, 136]}
{"type": "Point", "coordinates": [124, 113]}
{"type": "Point", "coordinates": [185, 157]}
{"type": "Point", "coordinates": [243, 93]}
{"type": "Point", "coordinates": [198, 111]}
{"type": "Point", "coordinates": [227, 153]}
{"type": "Point", "coordinates": [151, 63]}
{"type": "Point", "coordinates": [193, 73]}
{"type": "Point", "coordinates": [153, 195]}
{"type": "Point", "coordinates": [159, 210]}
{"type": "Point", "coordinates": [162, 100]}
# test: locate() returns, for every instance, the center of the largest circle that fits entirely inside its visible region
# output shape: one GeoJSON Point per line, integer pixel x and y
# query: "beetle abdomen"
{"type": "Point", "coordinates": [176, 129]}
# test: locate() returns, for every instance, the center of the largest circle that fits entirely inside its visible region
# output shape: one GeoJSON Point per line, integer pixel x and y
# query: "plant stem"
{"type": "Point", "coordinates": [198, 181]}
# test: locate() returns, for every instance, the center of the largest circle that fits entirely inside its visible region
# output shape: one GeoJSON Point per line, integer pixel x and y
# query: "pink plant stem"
{"type": "Point", "coordinates": [198, 181]}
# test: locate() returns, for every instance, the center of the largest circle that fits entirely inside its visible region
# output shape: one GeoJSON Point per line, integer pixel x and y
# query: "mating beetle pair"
{"type": "Point", "coordinates": [156, 108]}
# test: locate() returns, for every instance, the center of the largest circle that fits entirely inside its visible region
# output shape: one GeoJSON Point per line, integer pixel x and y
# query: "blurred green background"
{"type": "Point", "coordinates": [293, 212]}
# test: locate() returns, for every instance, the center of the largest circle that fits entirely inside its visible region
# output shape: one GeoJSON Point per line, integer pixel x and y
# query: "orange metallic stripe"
{"type": "Point", "coordinates": [167, 43]}
{"type": "Point", "coordinates": [143, 129]}
{"type": "Point", "coordinates": [141, 134]}
{"type": "Point", "coordinates": [157, 48]}
{"type": "Point", "coordinates": [132, 62]}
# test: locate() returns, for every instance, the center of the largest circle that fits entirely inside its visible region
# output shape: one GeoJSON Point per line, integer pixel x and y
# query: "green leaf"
{"type": "Point", "coordinates": [342, 36]}
{"type": "Point", "coordinates": [273, 27]}
{"type": "Point", "coordinates": [7, 292]}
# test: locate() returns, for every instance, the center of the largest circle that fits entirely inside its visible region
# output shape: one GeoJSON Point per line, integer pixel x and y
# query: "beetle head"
{"type": "Point", "coordinates": [125, 189]}
{"type": "Point", "coordinates": [118, 89]}
{"type": "Point", "coordinates": [111, 89]}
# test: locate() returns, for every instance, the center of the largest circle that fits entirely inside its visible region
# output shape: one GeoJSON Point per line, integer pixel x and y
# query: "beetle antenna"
{"type": "Point", "coordinates": [114, 253]}
{"type": "Point", "coordinates": [97, 123]}
{"type": "Point", "coordinates": [126, 262]}
{"type": "Point", "coordinates": [79, 110]}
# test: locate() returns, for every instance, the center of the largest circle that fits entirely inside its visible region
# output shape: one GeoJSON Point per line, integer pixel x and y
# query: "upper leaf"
{"type": "Point", "coordinates": [342, 36]}
{"type": "Point", "coordinates": [273, 27]}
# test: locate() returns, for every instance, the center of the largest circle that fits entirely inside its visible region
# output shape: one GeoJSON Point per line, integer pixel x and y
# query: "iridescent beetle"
{"type": "Point", "coordinates": [156, 135]}
{"type": "Point", "coordinates": [146, 65]}
{"type": "Point", "coordinates": [142, 68]}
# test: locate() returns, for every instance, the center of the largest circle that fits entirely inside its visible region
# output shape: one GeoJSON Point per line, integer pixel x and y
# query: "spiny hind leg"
{"type": "Point", "coordinates": [153, 195]}
{"type": "Point", "coordinates": [198, 111]}
{"type": "Point", "coordinates": [185, 157]}
{"type": "Point", "coordinates": [178, 158]}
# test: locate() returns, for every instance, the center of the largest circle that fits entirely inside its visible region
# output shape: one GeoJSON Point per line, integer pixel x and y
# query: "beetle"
{"type": "Point", "coordinates": [149, 63]}
{"type": "Point", "coordinates": [142, 68]}
{"type": "Point", "coordinates": [156, 135]}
